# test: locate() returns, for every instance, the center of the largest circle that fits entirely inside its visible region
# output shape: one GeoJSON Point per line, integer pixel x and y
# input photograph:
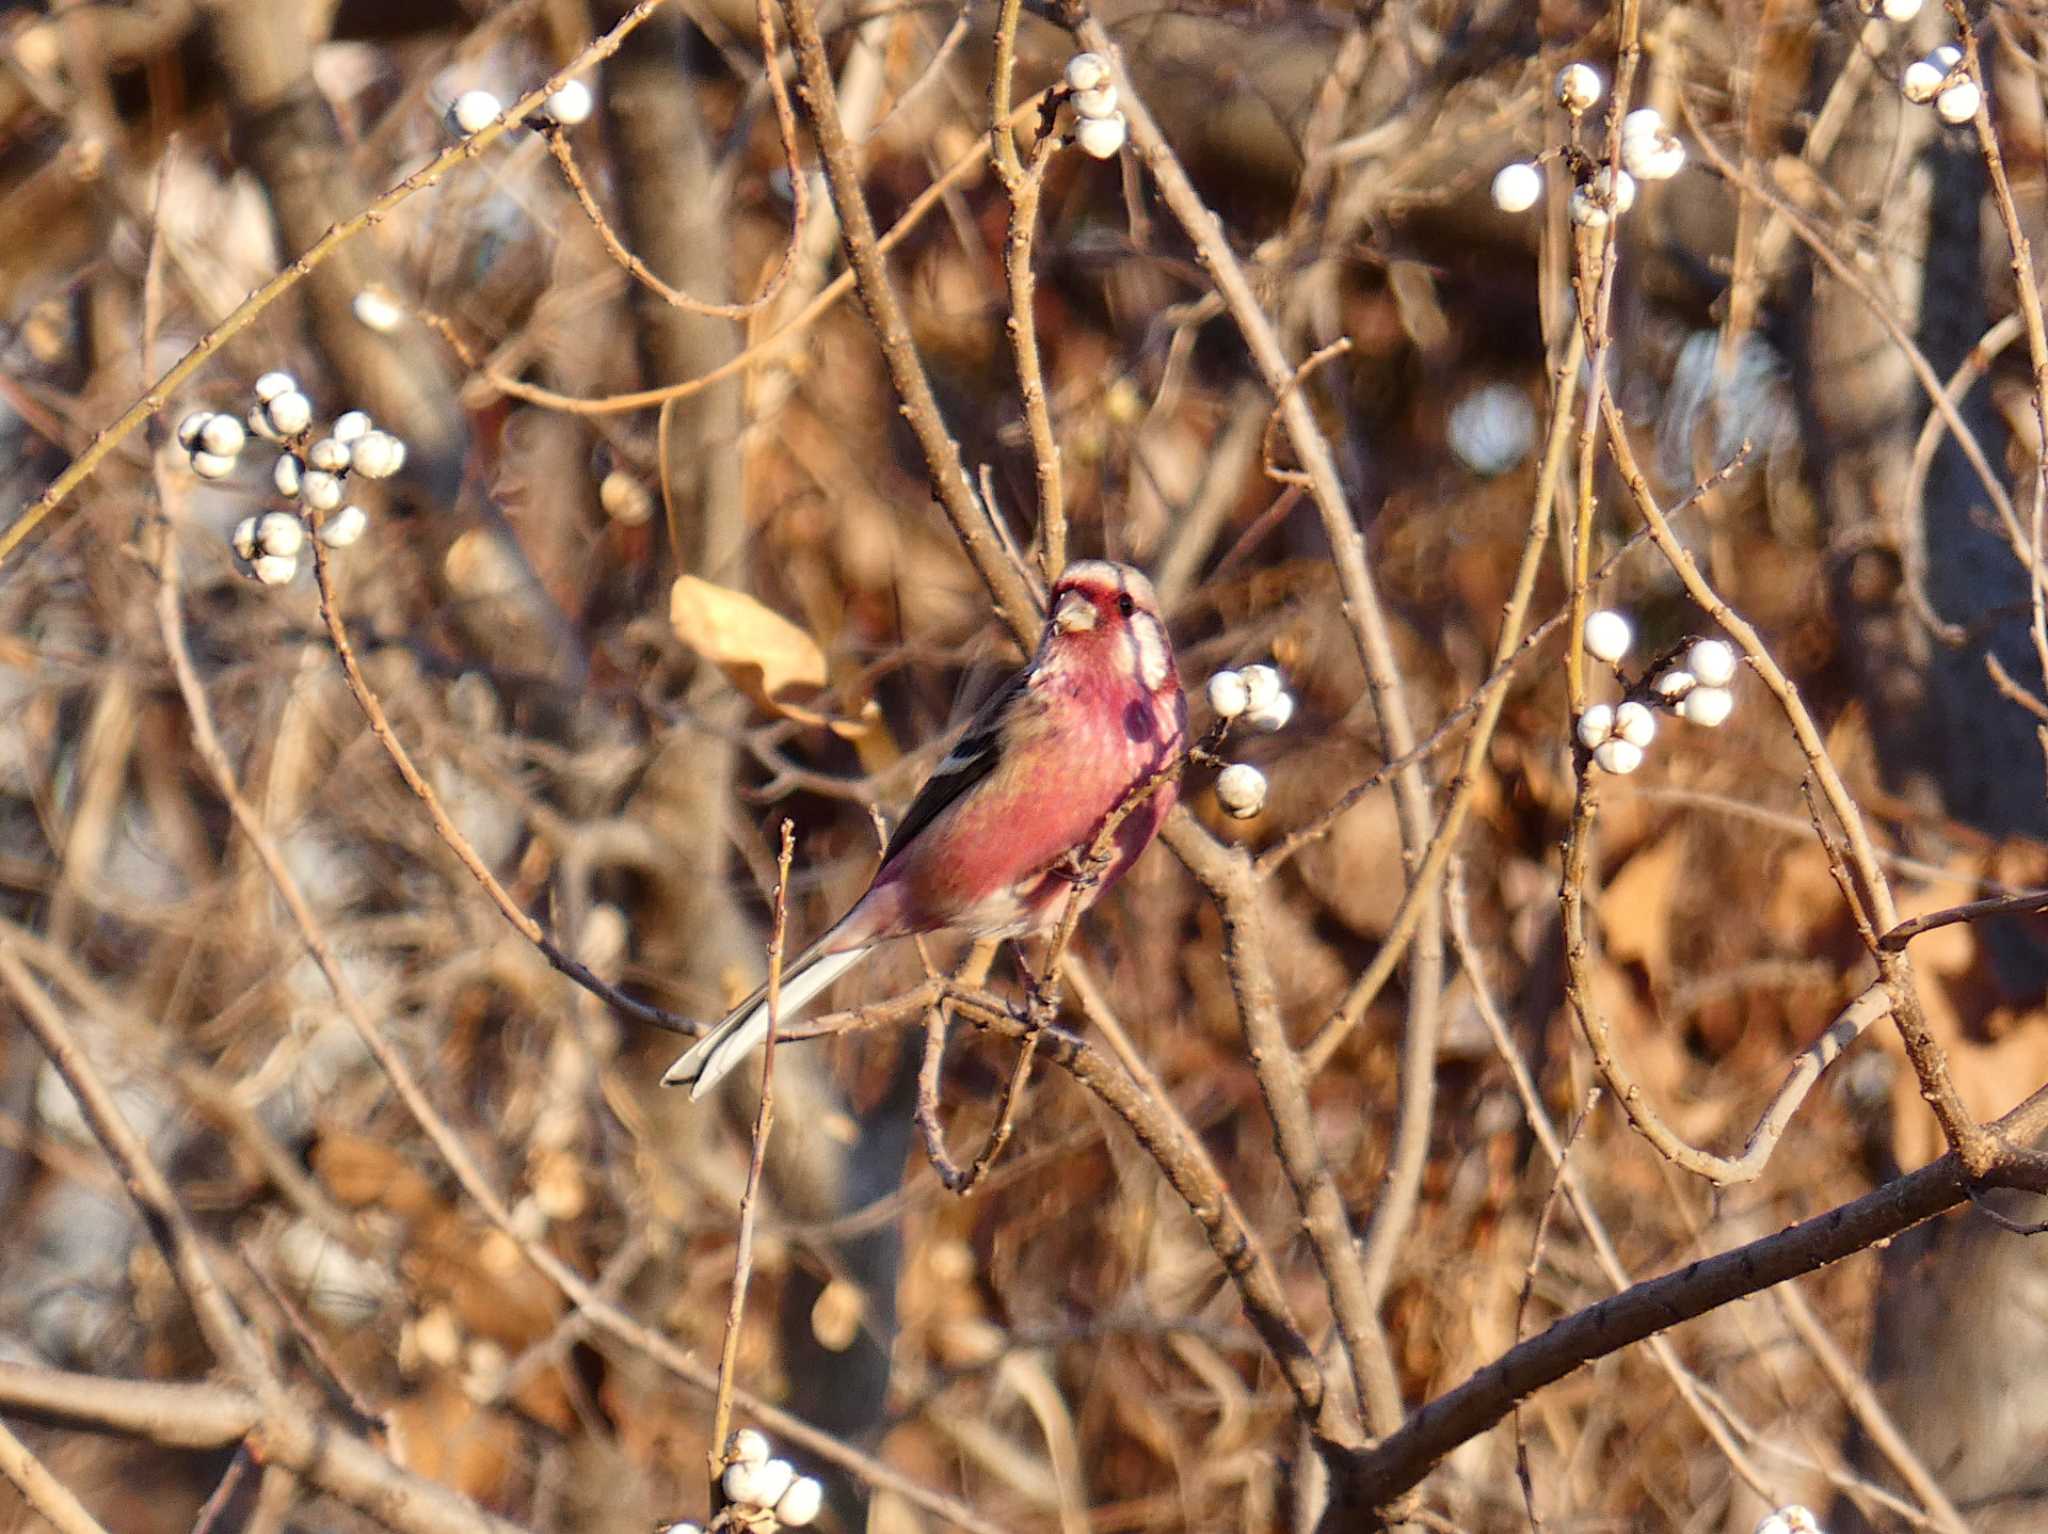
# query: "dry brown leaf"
{"type": "Point", "coordinates": [443, 1435]}
{"type": "Point", "coordinates": [1635, 910]}
{"type": "Point", "coordinates": [762, 652]}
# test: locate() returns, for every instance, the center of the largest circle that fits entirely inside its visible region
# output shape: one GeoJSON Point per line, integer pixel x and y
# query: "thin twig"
{"type": "Point", "coordinates": [227, 1334]}
{"type": "Point", "coordinates": [444, 825]}
{"type": "Point", "coordinates": [764, 1122]}
{"type": "Point", "coordinates": [1189, 1170]}
{"type": "Point", "coordinates": [1976, 910]}
{"type": "Point", "coordinates": [2028, 293]}
{"type": "Point", "coordinates": [1536, 1242]}
{"type": "Point", "coordinates": [756, 355]}
{"type": "Point", "coordinates": [1845, 272]}
{"type": "Point", "coordinates": [556, 138]}
{"type": "Point", "coordinates": [950, 484]}
{"type": "Point", "coordinates": [604, 1315]}
{"type": "Point", "coordinates": [41, 1490]}
{"type": "Point", "coordinates": [1929, 1061]}
{"type": "Point", "coordinates": [1023, 183]}
{"type": "Point", "coordinates": [1869, 1411]}
{"type": "Point", "coordinates": [158, 394]}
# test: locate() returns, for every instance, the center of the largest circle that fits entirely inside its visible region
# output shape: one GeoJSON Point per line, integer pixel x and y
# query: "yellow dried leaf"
{"type": "Point", "coordinates": [1635, 911]}
{"type": "Point", "coordinates": [762, 651]}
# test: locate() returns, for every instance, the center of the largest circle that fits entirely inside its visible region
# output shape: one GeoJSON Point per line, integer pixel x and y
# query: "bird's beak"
{"type": "Point", "coordinates": [1074, 613]}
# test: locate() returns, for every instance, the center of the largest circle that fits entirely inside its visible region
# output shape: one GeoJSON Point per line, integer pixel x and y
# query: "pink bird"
{"type": "Point", "coordinates": [987, 846]}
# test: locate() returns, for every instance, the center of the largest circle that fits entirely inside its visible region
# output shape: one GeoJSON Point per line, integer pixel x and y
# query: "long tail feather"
{"type": "Point", "coordinates": [712, 1058]}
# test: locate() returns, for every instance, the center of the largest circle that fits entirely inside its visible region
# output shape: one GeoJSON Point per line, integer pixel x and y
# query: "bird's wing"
{"type": "Point", "coordinates": [973, 757]}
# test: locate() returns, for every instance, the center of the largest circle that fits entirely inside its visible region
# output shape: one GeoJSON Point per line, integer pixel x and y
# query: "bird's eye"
{"type": "Point", "coordinates": [1125, 605]}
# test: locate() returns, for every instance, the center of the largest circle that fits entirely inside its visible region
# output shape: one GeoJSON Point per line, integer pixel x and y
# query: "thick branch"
{"type": "Point", "coordinates": [1371, 1480]}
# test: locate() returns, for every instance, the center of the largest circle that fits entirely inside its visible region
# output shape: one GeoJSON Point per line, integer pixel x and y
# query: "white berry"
{"type": "Point", "coordinates": [771, 1481]}
{"type": "Point", "coordinates": [571, 104]}
{"type": "Point", "coordinates": [685, 1527]}
{"type": "Point", "coordinates": [738, 1484]}
{"type": "Point", "coordinates": [279, 532]}
{"type": "Point", "coordinates": [274, 569]}
{"type": "Point", "coordinates": [1241, 790]}
{"type": "Point", "coordinates": [320, 490]}
{"type": "Point", "coordinates": [244, 539]}
{"type": "Point", "coordinates": [190, 428]}
{"type": "Point", "coordinates": [1587, 211]}
{"type": "Point", "coordinates": [624, 499]}
{"type": "Point", "coordinates": [473, 111]}
{"type": "Point", "coordinates": [1652, 159]}
{"type": "Point", "coordinates": [329, 455]}
{"type": "Point", "coordinates": [1516, 187]}
{"type": "Point", "coordinates": [1274, 716]}
{"type": "Point", "coordinates": [1712, 661]}
{"type": "Point", "coordinates": [377, 454]}
{"type": "Point", "coordinates": [1608, 635]}
{"type": "Point", "coordinates": [1708, 707]}
{"type": "Point", "coordinates": [800, 1504]}
{"type": "Point", "coordinates": [289, 413]}
{"type": "Point", "coordinates": [1617, 187]}
{"type": "Point", "coordinates": [351, 425]}
{"type": "Point", "coordinates": [1959, 103]}
{"type": "Point", "coordinates": [1101, 137]}
{"type": "Point", "coordinates": [1579, 87]}
{"type": "Point", "coordinates": [1228, 694]}
{"type": "Point", "coordinates": [1086, 71]}
{"type": "Point", "coordinates": [1596, 724]}
{"type": "Point", "coordinates": [1793, 1519]}
{"type": "Point", "coordinates": [1618, 756]}
{"type": "Point", "coordinates": [223, 436]}
{"type": "Point", "coordinates": [377, 310]}
{"type": "Point", "coordinates": [212, 465]}
{"type": "Point", "coordinates": [271, 385]}
{"type": "Point", "coordinates": [1675, 683]}
{"type": "Point", "coordinates": [1947, 56]}
{"type": "Point", "coordinates": [748, 1446]}
{"type": "Point", "coordinates": [344, 527]}
{"type": "Point", "coordinates": [1922, 80]}
{"type": "Point", "coordinates": [286, 474]}
{"type": "Point", "coordinates": [1635, 724]}
{"type": "Point", "coordinates": [1901, 10]}
{"type": "Point", "coordinates": [1643, 122]}
{"type": "Point", "coordinates": [1100, 102]}
{"type": "Point", "coordinates": [1262, 685]}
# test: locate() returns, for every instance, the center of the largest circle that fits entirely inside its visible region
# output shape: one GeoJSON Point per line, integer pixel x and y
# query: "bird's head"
{"type": "Point", "coordinates": [1107, 613]}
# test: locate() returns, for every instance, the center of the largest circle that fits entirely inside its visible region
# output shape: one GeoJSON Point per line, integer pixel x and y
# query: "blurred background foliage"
{"type": "Point", "coordinates": [1059, 1349]}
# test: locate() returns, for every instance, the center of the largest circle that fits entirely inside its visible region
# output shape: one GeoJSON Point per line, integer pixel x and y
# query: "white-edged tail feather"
{"type": "Point", "coordinates": [713, 1057]}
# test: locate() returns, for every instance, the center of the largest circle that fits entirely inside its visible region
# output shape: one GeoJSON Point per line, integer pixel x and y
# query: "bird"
{"type": "Point", "coordinates": [988, 845]}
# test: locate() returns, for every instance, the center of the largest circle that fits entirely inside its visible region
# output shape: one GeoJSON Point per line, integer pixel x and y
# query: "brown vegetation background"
{"type": "Point", "coordinates": [444, 1211]}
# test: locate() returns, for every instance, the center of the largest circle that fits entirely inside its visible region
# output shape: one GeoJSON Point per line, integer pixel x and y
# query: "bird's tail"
{"type": "Point", "coordinates": [712, 1058]}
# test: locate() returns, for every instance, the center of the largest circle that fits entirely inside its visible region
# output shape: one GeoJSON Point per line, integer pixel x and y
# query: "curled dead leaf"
{"type": "Point", "coordinates": [765, 655]}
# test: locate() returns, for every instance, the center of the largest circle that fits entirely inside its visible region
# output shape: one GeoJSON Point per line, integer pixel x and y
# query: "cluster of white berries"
{"type": "Point", "coordinates": [1099, 125]}
{"type": "Point", "coordinates": [1649, 152]}
{"type": "Point", "coordinates": [474, 111]}
{"type": "Point", "coordinates": [762, 1494]}
{"type": "Point", "coordinates": [1792, 1519]}
{"type": "Point", "coordinates": [312, 471]}
{"type": "Point", "coordinates": [1259, 697]}
{"type": "Point", "coordinates": [1692, 683]}
{"type": "Point", "coordinates": [1941, 79]}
